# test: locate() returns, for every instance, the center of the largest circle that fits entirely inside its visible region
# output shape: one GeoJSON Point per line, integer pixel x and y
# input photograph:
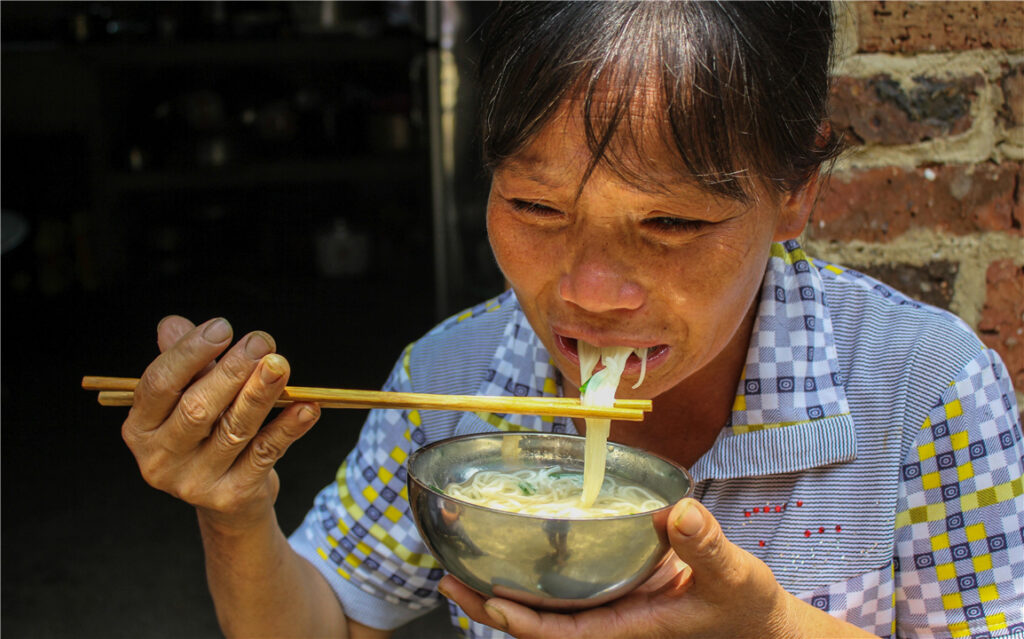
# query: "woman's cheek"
{"type": "Point", "coordinates": [515, 254]}
{"type": "Point", "coordinates": [520, 249]}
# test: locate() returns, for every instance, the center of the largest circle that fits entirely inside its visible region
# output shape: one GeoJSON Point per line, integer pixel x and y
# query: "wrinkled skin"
{"type": "Point", "coordinates": [201, 439]}
{"type": "Point", "coordinates": [200, 429]}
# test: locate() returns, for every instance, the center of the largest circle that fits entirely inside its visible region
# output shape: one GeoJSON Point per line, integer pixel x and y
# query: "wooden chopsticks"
{"type": "Point", "coordinates": [119, 391]}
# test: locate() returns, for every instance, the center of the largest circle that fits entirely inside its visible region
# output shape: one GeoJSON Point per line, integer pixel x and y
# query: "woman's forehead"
{"type": "Point", "coordinates": [637, 152]}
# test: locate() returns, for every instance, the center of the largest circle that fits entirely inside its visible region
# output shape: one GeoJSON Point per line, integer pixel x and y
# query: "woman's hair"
{"type": "Point", "coordinates": [739, 89]}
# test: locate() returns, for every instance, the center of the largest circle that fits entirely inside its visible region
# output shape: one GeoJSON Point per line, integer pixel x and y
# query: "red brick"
{"type": "Point", "coordinates": [877, 205]}
{"type": "Point", "coordinates": [905, 27]}
{"type": "Point", "coordinates": [1002, 318]}
{"type": "Point", "coordinates": [877, 110]}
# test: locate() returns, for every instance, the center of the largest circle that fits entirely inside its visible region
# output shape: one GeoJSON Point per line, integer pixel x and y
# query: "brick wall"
{"type": "Point", "coordinates": [930, 97]}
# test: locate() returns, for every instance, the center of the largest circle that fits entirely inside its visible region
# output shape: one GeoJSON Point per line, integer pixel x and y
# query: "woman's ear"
{"type": "Point", "coordinates": [796, 209]}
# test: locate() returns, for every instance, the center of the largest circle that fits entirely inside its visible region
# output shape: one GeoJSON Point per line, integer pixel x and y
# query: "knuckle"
{"type": "Point", "coordinates": [129, 435]}
{"type": "Point", "coordinates": [192, 489]}
{"type": "Point", "coordinates": [711, 546]}
{"type": "Point", "coordinates": [230, 434]}
{"type": "Point", "coordinates": [713, 550]}
{"type": "Point", "coordinates": [253, 395]}
{"type": "Point", "coordinates": [265, 452]}
{"type": "Point", "coordinates": [153, 470]}
{"type": "Point", "coordinates": [156, 381]}
{"type": "Point", "coordinates": [235, 368]}
{"type": "Point", "coordinates": [134, 429]}
{"type": "Point", "coordinates": [188, 491]}
{"type": "Point", "coordinates": [194, 410]}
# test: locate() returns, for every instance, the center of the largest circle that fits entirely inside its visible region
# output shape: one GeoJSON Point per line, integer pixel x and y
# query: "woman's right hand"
{"type": "Point", "coordinates": [196, 427]}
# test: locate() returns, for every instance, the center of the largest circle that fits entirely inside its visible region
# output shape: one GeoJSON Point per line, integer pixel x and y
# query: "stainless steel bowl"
{"type": "Point", "coordinates": [556, 564]}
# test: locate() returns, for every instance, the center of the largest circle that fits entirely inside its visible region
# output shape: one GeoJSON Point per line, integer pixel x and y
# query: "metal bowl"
{"type": "Point", "coordinates": [555, 564]}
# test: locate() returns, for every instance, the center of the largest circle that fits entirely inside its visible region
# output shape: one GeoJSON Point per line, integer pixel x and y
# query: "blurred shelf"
{"type": "Point", "coordinates": [278, 52]}
{"type": "Point", "coordinates": [362, 169]}
{"type": "Point", "coordinates": [207, 126]}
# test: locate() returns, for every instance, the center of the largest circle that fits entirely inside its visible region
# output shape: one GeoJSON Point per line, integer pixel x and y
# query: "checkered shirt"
{"type": "Point", "coordinates": [873, 459]}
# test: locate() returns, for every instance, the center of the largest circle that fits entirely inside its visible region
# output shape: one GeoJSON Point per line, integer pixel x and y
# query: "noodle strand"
{"type": "Point", "coordinates": [553, 492]}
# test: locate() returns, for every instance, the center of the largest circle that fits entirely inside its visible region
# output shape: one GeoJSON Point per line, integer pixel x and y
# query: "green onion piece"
{"type": "Point", "coordinates": [527, 488]}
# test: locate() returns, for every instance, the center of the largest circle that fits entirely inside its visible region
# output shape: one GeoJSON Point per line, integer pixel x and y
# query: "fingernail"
{"type": "Point", "coordinates": [217, 331]}
{"type": "Point", "coordinates": [257, 346]}
{"type": "Point", "coordinates": [690, 521]}
{"type": "Point", "coordinates": [444, 592]}
{"type": "Point", "coordinates": [306, 415]}
{"type": "Point", "coordinates": [496, 615]}
{"type": "Point", "coordinates": [273, 368]}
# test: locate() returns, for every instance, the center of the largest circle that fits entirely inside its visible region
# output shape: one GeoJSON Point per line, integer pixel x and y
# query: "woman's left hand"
{"type": "Point", "coordinates": [711, 588]}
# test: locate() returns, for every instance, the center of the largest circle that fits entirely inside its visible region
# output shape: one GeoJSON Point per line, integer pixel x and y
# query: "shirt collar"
{"type": "Point", "coordinates": [790, 412]}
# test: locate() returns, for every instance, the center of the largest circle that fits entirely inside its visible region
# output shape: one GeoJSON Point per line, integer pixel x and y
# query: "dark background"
{"type": "Point", "coordinates": [265, 162]}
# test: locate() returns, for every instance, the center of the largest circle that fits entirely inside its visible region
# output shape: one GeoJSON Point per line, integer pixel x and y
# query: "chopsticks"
{"type": "Point", "coordinates": [119, 391]}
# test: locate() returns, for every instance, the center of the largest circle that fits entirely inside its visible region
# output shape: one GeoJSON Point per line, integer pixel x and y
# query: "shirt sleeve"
{"type": "Point", "coordinates": [360, 533]}
{"type": "Point", "coordinates": [960, 512]}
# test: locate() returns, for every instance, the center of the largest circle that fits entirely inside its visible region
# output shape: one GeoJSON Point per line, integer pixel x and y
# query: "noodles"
{"type": "Point", "coordinates": [552, 492]}
{"type": "Point", "coordinates": [599, 390]}
{"type": "Point", "coordinates": [642, 354]}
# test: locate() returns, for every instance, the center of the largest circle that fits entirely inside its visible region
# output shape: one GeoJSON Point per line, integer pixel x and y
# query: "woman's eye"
{"type": "Point", "coordinates": [674, 224]}
{"type": "Point", "coordinates": [532, 207]}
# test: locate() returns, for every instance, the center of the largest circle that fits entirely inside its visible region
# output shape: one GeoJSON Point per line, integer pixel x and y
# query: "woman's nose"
{"type": "Point", "coordinates": [598, 284]}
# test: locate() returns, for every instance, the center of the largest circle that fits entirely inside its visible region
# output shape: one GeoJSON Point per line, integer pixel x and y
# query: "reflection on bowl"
{"type": "Point", "coordinates": [557, 564]}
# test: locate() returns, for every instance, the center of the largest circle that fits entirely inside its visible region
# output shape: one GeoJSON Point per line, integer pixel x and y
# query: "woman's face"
{"type": "Point", "coordinates": [673, 269]}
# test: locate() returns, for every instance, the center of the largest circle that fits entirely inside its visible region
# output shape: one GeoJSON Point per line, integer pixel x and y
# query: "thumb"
{"type": "Point", "coordinates": [698, 540]}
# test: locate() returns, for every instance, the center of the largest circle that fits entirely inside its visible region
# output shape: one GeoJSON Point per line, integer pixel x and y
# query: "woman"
{"type": "Point", "coordinates": [857, 455]}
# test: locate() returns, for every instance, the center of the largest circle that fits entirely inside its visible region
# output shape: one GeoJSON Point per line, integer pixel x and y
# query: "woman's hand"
{"type": "Point", "coordinates": [195, 426]}
{"type": "Point", "coordinates": [711, 588]}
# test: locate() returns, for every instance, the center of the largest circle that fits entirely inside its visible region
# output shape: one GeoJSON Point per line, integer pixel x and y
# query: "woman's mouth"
{"type": "Point", "coordinates": [568, 346]}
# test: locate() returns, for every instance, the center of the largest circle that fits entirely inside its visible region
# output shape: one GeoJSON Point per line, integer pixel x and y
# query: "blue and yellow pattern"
{"type": "Point", "coordinates": [794, 377]}
{"type": "Point", "coordinates": [873, 459]}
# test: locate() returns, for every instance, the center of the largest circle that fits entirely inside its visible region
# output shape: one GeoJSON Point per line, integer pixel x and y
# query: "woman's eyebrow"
{"type": "Point", "coordinates": [532, 171]}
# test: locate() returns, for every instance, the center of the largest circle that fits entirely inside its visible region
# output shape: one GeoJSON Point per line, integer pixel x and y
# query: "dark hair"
{"type": "Point", "coordinates": [741, 88]}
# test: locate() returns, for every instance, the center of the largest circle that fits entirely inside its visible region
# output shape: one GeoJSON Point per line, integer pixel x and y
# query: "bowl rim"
{"type": "Point", "coordinates": [647, 513]}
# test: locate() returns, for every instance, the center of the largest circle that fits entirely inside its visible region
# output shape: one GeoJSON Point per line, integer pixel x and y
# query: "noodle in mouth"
{"type": "Point", "coordinates": [599, 390]}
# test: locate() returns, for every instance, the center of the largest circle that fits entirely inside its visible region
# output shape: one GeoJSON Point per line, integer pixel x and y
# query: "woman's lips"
{"type": "Point", "coordinates": [655, 354]}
